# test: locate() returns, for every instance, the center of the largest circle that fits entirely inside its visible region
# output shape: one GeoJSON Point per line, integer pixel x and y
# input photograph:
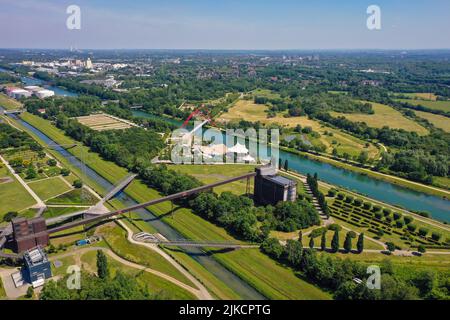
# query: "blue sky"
{"type": "Point", "coordinates": [225, 24]}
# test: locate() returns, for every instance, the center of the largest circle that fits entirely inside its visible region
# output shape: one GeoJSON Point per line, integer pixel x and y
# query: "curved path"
{"type": "Point", "coordinates": [202, 293]}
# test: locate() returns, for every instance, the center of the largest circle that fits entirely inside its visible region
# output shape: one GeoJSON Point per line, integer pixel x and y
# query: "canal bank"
{"type": "Point", "coordinates": [364, 184]}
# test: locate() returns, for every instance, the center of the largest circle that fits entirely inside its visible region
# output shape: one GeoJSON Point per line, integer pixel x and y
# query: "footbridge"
{"type": "Point", "coordinates": [172, 197]}
{"type": "Point", "coordinates": [97, 209]}
{"type": "Point", "coordinates": [13, 111]}
{"type": "Point", "coordinates": [159, 240]}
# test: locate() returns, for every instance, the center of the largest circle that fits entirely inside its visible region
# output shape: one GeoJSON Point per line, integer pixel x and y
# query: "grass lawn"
{"type": "Point", "coordinates": [426, 261]}
{"type": "Point", "coordinates": [436, 120]}
{"type": "Point", "coordinates": [49, 188]}
{"type": "Point", "coordinates": [8, 103]}
{"type": "Point", "coordinates": [214, 173]}
{"type": "Point", "coordinates": [2, 290]}
{"type": "Point", "coordinates": [442, 182]}
{"type": "Point", "coordinates": [384, 116]}
{"type": "Point", "coordinates": [269, 277]}
{"type": "Point", "coordinates": [115, 236]}
{"type": "Point", "coordinates": [52, 212]}
{"type": "Point", "coordinates": [435, 105]}
{"type": "Point", "coordinates": [14, 197]}
{"type": "Point", "coordinates": [156, 285]}
{"type": "Point", "coordinates": [80, 196]}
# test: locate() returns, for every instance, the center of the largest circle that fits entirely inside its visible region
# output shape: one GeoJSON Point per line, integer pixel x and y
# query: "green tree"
{"type": "Point", "coordinates": [30, 173]}
{"type": "Point", "coordinates": [390, 246]}
{"type": "Point", "coordinates": [360, 243]}
{"type": "Point", "coordinates": [421, 248]}
{"type": "Point", "coordinates": [102, 265]}
{"type": "Point", "coordinates": [294, 252]}
{"type": "Point", "coordinates": [8, 217]}
{"type": "Point", "coordinates": [286, 165]}
{"type": "Point", "coordinates": [335, 242]}
{"type": "Point", "coordinates": [300, 236]}
{"type": "Point", "coordinates": [78, 184]}
{"type": "Point", "coordinates": [311, 242]}
{"type": "Point", "coordinates": [323, 241]}
{"type": "Point", "coordinates": [51, 162]}
{"type": "Point", "coordinates": [348, 242]}
{"type": "Point", "coordinates": [30, 292]}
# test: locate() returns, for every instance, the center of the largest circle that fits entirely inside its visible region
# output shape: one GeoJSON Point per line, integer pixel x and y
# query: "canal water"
{"type": "Point", "coordinates": [439, 208]}
{"type": "Point", "coordinates": [208, 262]}
{"type": "Point", "coordinates": [30, 81]}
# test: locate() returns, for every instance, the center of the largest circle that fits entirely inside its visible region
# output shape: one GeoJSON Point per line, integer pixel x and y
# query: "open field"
{"type": "Point", "coordinates": [249, 111]}
{"type": "Point", "coordinates": [102, 121]}
{"type": "Point", "coordinates": [14, 197]}
{"type": "Point", "coordinates": [271, 278]}
{"type": "Point", "coordinates": [435, 105]}
{"type": "Point", "coordinates": [436, 120]}
{"type": "Point", "coordinates": [49, 188]}
{"type": "Point", "coordinates": [418, 95]}
{"type": "Point", "coordinates": [8, 103]}
{"type": "Point", "coordinates": [385, 116]}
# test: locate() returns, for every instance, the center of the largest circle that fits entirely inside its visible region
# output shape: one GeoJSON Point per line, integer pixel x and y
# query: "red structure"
{"type": "Point", "coordinates": [203, 111]}
{"type": "Point", "coordinates": [28, 234]}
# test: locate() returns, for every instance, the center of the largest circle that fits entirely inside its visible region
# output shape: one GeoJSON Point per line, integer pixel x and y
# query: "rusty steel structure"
{"type": "Point", "coordinates": [171, 197]}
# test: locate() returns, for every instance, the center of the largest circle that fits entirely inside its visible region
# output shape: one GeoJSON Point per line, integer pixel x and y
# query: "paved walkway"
{"type": "Point", "coordinates": [202, 293]}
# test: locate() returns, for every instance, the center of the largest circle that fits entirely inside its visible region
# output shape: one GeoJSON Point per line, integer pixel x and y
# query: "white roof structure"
{"type": "Point", "coordinates": [215, 149]}
{"type": "Point", "coordinates": [239, 149]}
{"type": "Point", "coordinates": [249, 158]}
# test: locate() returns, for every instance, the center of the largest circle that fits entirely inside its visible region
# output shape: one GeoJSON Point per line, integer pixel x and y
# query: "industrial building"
{"type": "Point", "coordinates": [271, 188]}
{"type": "Point", "coordinates": [28, 91]}
{"type": "Point", "coordinates": [36, 267]}
{"type": "Point", "coordinates": [28, 234]}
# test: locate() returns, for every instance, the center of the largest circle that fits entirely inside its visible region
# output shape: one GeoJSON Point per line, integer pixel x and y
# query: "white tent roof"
{"type": "Point", "coordinates": [248, 158]}
{"type": "Point", "coordinates": [238, 148]}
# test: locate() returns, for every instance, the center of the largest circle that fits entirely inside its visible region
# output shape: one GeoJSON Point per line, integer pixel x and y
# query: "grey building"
{"type": "Point", "coordinates": [271, 188]}
{"type": "Point", "coordinates": [36, 265]}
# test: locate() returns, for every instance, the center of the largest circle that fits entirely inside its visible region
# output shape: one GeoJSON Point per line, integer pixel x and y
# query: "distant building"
{"type": "Point", "coordinates": [88, 64]}
{"type": "Point", "coordinates": [36, 267]}
{"type": "Point", "coordinates": [271, 188]}
{"type": "Point", "coordinates": [44, 93]}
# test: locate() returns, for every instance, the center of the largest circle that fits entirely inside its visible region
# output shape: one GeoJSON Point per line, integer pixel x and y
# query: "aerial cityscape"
{"type": "Point", "coordinates": [169, 167]}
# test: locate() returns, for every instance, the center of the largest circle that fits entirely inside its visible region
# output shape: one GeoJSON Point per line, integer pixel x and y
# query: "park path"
{"type": "Point", "coordinates": [198, 293]}
{"type": "Point", "coordinates": [202, 293]}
